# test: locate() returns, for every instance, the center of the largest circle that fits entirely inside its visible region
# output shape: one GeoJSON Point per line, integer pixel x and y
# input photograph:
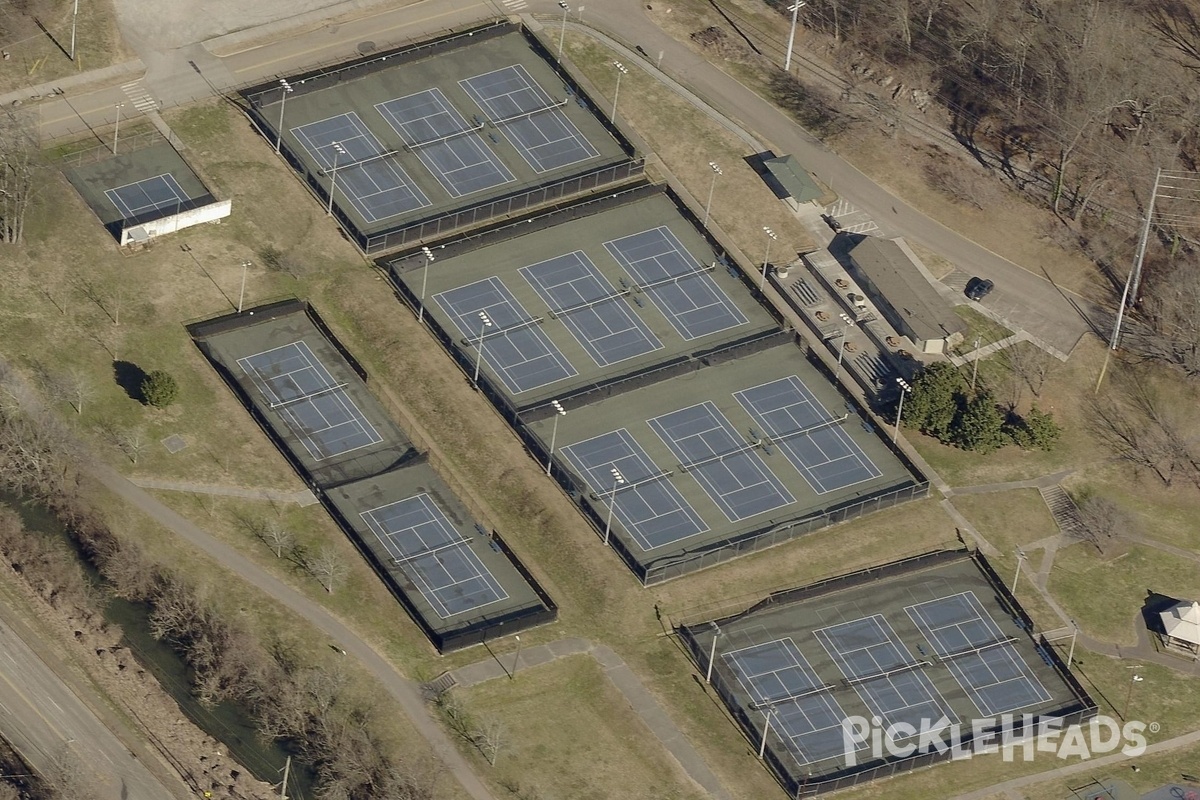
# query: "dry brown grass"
{"type": "Point", "coordinates": [599, 747]}
{"type": "Point", "coordinates": [686, 141]}
{"type": "Point", "coordinates": [35, 57]}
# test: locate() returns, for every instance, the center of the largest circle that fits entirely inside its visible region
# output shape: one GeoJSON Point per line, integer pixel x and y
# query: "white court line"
{"type": "Point", "coordinates": [128, 212]}
{"type": "Point", "coordinates": [634, 323]}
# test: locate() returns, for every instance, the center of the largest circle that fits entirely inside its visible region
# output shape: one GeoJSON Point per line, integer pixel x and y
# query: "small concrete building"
{"type": "Point", "coordinates": [891, 274]}
{"type": "Point", "coordinates": [1181, 626]}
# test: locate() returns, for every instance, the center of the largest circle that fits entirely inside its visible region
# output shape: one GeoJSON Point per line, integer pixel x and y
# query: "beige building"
{"type": "Point", "coordinates": [891, 274]}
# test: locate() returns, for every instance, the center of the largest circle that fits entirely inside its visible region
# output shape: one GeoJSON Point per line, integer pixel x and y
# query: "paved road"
{"type": "Point", "coordinates": [47, 722]}
{"type": "Point", "coordinates": [406, 693]}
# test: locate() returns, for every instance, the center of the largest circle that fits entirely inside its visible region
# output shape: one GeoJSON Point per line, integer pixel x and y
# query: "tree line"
{"type": "Point", "coordinates": [317, 710]}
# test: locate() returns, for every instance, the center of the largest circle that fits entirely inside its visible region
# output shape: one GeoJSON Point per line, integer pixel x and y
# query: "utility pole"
{"type": "Point", "coordinates": [74, 19]}
{"type": "Point", "coordinates": [287, 768]}
{"type": "Point", "coordinates": [795, 9]}
{"type": "Point", "coordinates": [1129, 295]}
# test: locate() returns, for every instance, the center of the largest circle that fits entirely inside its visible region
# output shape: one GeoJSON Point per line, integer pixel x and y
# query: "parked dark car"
{"type": "Point", "coordinates": [979, 288]}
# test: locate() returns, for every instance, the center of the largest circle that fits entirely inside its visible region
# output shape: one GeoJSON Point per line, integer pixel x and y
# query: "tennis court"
{"type": "Point", "coordinates": [452, 150]}
{"type": "Point", "coordinates": [317, 408]}
{"type": "Point", "coordinates": [596, 313]}
{"type": "Point", "coordinates": [676, 282]}
{"type": "Point", "coordinates": [802, 672]}
{"type": "Point", "coordinates": [439, 560]}
{"type": "Point", "coordinates": [370, 177]}
{"type": "Point", "coordinates": [567, 314]}
{"type": "Point", "coordinates": [787, 690]}
{"type": "Point", "coordinates": [478, 120]}
{"type": "Point", "coordinates": [532, 120]}
{"type": "Point", "coordinates": [510, 341]}
{"type": "Point", "coordinates": [724, 463]}
{"type": "Point", "coordinates": [983, 659]}
{"type": "Point", "coordinates": [162, 192]}
{"type": "Point", "coordinates": [813, 439]}
{"type": "Point", "coordinates": [451, 574]}
{"type": "Point", "coordinates": [700, 471]}
{"type": "Point", "coordinates": [147, 181]}
{"type": "Point", "coordinates": [646, 503]}
{"type": "Point", "coordinates": [885, 674]}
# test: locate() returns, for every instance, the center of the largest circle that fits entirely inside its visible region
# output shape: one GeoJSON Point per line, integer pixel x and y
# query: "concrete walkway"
{"type": "Point", "coordinates": [303, 497]}
{"type": "Point", "coordinates": [640, 700]}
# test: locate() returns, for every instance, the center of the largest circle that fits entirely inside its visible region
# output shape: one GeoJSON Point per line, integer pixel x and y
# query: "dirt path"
{"type": "Point", "coordinates": [406, 693]}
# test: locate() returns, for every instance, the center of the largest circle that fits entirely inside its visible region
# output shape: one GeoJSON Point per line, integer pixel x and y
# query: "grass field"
{"type": "Point", "coordinates": [980, 328]}
{"type": "Point", "coordinates": [600, 748]}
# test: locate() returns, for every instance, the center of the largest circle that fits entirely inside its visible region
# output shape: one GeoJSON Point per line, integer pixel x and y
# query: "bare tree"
{"type": "Point", "coordinates": [278, 537]}
{"type": "Point", "coordinates": [1168, 330]}
{"type": "Point", "coordinates": [327, 567]}
{"type": "Point", "coordinates": [1103, 521]}
{"type": "Point", "coordinates": [79, 386]}
{"type": "Point", "coordinates": [1029, 366]}
{"type": "Point", "coordinates": [489, 736]}
{"type": "Point", "coordinates": [132, 441]}
{"type": "Point", "coordinates": [20, 168]}
{"type": "Point", "coordinates": [1146, 430]}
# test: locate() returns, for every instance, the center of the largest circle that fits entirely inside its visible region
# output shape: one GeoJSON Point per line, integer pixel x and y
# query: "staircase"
{"type": "Point", "coordinates": [439, 685]}
{"type": "Point", "coordinates": [870, 365]}
{"type": "Point", "coordinates": [1064, 510]}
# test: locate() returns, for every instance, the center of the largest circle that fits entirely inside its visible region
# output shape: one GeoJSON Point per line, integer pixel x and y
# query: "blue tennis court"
{"type": "Point", "coordinates": [515, 347]}
{"type": "Point", "coordinates": [884, 673]}
{"type": "Point", "coordinates": [982, 659]}
{"type": "Point", "coordinates": [317, 409]}
{"type": "Point", "coordinates": [784, 688]}
{"type": "Point", "coordinates": [424, 545]}
{"type": "Point", "coordinates": [723, 463]}
{"type": "Point", "coordinates": [160, 193]}
{"type": "Point", "coordinates": [441, 138]}
{"type": "Point", "coordinates": [529, 117]}
{"type": "Point", "coordinates": [647, 505]}
{"type": "Point", "coordinates": [596, 313]}
{"type": "Point", "coordinates": [371, 179]}
{"type": "Point", "coordinates": [809, 436]}
{"type": "Point", "coordinates": [679, 286]}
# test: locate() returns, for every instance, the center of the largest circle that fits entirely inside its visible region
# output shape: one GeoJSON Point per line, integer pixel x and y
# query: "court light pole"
{"type": "Point", "coordinates": [559, 411]}
{"type": "Point", "coordinates": [516, 659]}
{"type": "Point", "coordinates": [618, 480]}
{"type": "Point", "coordinates": [771, 237]}
{"type": "Point", "coordinates": [485, 322]}
{"type": "Point", "coordinates": [712, 187]}
{"type": "Point", "coordinates": [762, 747]}
{"type": "Point", "coordinates": [1020, 560]}
{"type": "Point", "coordinates": [429, 259]}
{"type": "Point", "coordinates": [562, 32]}
{"type": "Point", "coordinates": [842, 347]}
{"type": "Point", "coordinates": [242, 294]}
{"type": "Point", "coordinates": [712, 654]}
{"type": "Point", "coordinates": [1071, 652]}
{"type": "Point", "coordinates": [74, 19]}
{"type": "Point", "coordinates": [795, 9]}
{"type": "Point", "coordinates": [117, 129]}
{"type": "Point", "coordinates": [287, 89]}
{"type": "Point", "coordinates": [621, 70]}
{"type": "Point", "coordinates": [1129, 695]}
{"type": "Point", "coordinates": [905, 388]}
{"type": "Point", "coordinates": [975, 364]}
{"type": "Point", "coordinates": [338, 150]}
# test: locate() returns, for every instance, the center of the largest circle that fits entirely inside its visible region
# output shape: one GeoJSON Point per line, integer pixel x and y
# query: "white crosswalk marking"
{"type": "Point", "coordinates": [141, 99]}
{"type": "Point", "coordinates": [515, 5]}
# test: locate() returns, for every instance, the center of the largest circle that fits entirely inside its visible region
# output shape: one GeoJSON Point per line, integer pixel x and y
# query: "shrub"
{"type": "Point", "coordinates": [160, 389]}
{"type": "Point", "coordinates": [980, 426]}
